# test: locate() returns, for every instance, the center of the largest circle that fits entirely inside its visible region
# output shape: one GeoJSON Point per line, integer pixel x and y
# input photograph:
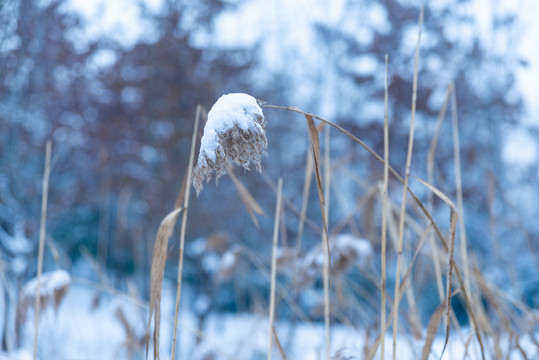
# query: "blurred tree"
{"type": "Point", "coordinates": [120, 119]}
{"type": "Point", "coordinates": [40, 77]}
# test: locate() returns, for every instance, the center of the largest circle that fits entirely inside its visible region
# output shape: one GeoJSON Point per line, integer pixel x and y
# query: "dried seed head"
{"type": "Point", "coordinates": [235, 132]}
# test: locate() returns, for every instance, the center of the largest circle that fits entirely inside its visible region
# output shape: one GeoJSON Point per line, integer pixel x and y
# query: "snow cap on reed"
{"type": "Point", "coordinates": [234, 133]}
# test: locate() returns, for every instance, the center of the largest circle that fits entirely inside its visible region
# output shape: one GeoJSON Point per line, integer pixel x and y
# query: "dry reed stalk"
{"type": "Point", "coordinates": [44, 200]}
{"type": "Point", "coordinates": [384, 215]}
{"type": "Point", "coordinates": [450, 265]}
{"type": "Point", "coordinates": [279, 345]}
{"type": "Point", "coordinates": [430, 199]}
{"type": "Point", "coordinates": [314, 141]}
{"type": "Point", "coordinates": [473, 305]}
{"type": "Point", "coordinates": [432, 328]}
{"type": "Point", "coordinates": [404, 192]}
{"type": "Point", "coordinates": [274, 264]}
{"type": "Point", "coordinates": [327, 260]}
{"type": "Point", "coordinates": [159, 259]}
{"type": "Point", "coordinates": [458, 185]}
{"type": "Point", "coordinates": [315, 148]}
{"type": "Point", "coordinates": [372, 351]}
{"type": "Point", "coordinates": [183, 229]}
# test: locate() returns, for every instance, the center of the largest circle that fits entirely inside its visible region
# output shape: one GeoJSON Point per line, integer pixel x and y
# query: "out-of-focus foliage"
{"type": "Point", "coordinates": [120, 120]}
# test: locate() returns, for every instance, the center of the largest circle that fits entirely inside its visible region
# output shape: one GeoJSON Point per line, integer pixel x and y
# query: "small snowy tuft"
{"type": "Point", "coordinates": [50, 282]}
{"type": "Point", "coordinates": [346, 250]}
{"type": "Point", "coordinates": [52, 290]}
{"type": "Point", "coordinates": [235, 132]}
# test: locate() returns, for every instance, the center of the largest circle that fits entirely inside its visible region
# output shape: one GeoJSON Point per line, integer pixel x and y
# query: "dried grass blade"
{"type": "Point", "coordinates": [274, 264]}
{"type": "Point", "coordinates": [438, 193]}
{"type": "Point", "coordinates": [248, 200]}
{"type": "Point", "coordinates": [159, 259]}
{"type": "Point", "coordinates": [325, 238]}
{"type": "Point", "coordinates": [432, 328]}
{"type": "Point", "coordinates": [384, 214]}
{"type": "Point", "coordinates": [315, 147]}
{"type": "Point", "coordinates": [41, 250]}
{"type": "Point", "coordinates": [430, 179]}
{"type": "Point", "coordinates": [183, 229]}
{"type": "Point", "coordinates": [279, 345]}
{"type": "Point", "coordinates": [453, 229]}
{"type": "Point", "coordinates": [463, 246]}
{"type": "Point", "coordinates": [451, 266]}
{"type": "Point", "coordinates": [309, 168]}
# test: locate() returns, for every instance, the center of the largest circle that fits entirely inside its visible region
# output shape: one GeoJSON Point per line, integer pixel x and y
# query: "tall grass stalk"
{"type": "Point", "coordinates": [384, 215]}
{"type": "Point", "coordinates": [430, 199]}
{"type": "Point", "coordinates": [473, 308]}
{"type": "Point", "coordinates": [182, 231]}
{"type": "Point", "coordinates": [404, 192]}
{"type": "Point", "coordinates": [274, 265]}
{"type": "Point", "coordinates": [327, 260]}
{"type": "Point", "coordinates": [42, 227]}
{"type": "Point", "coordinates": [458, 185]}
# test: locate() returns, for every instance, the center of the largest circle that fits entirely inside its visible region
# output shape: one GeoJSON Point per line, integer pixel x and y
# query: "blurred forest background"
{"type": "Point", "coordinates": [120, 116]}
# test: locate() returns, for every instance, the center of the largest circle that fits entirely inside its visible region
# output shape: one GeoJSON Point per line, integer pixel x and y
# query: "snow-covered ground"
{"type": "Point", "coordinates": [89, 325]}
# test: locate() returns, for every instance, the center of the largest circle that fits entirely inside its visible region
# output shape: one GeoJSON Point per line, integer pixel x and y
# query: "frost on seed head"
{"type": "Point", "coordinates": [234, 133]}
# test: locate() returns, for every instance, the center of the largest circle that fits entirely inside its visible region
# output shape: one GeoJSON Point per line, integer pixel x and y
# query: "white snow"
{"type": "Point", "coordinates": [359, 249]}
{"type": "Point", "coordinates": [81, 330]}
{"type": "Point", "coordinates": [50, 282]}
{"type": "Point", "coordinates": [235, 109]}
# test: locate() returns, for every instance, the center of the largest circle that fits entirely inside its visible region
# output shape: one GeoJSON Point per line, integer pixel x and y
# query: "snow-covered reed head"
{"type": "Point", "coordinates": [234, 133]}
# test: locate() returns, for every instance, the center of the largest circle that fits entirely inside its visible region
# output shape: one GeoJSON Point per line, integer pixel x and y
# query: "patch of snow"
{"type": "Point", "coordinates": [50, 282]}
{"type": "Point", "coordinates": [360, 249]}
{"type": "Point", "coordinates": [82, 330]}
